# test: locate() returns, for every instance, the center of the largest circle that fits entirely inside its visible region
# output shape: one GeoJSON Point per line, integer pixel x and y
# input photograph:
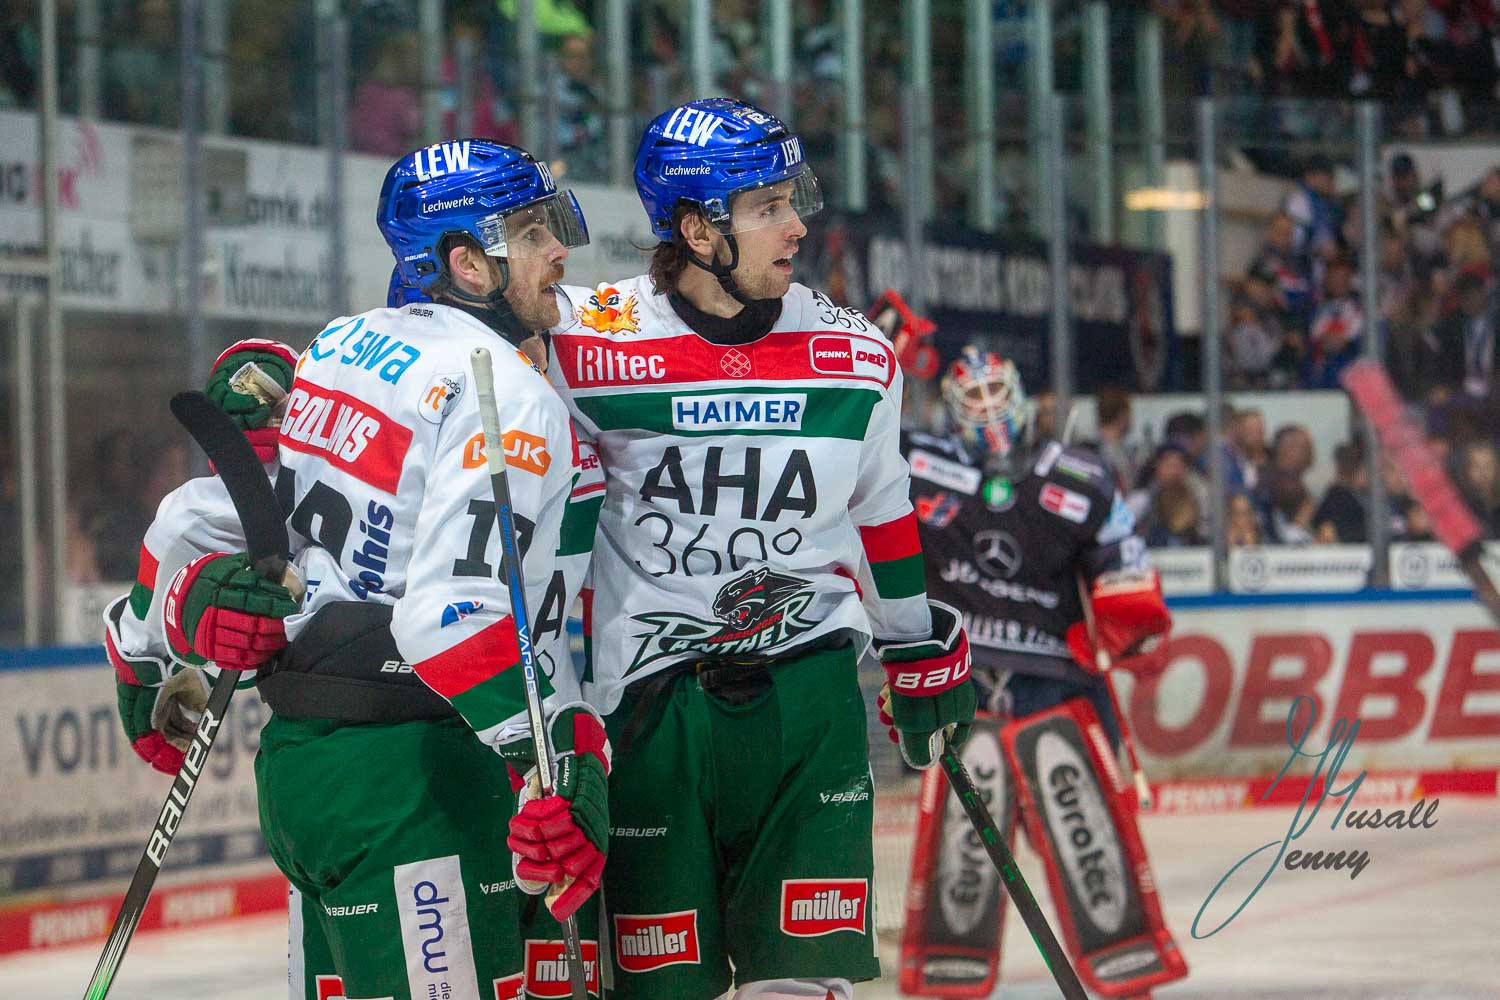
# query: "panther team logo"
{"type": "Point", "coordinates": [756, 610]}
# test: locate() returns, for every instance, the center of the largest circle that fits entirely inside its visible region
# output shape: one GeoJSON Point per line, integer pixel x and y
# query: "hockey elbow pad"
{"type": "Point", "coordinates": [1130, 622]}
{"type": "Point", "coordinates": [928, 691]}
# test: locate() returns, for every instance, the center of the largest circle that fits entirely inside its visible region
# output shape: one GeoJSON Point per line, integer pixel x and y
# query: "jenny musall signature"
{"type": "Point", "coordinates": [1340, 741]}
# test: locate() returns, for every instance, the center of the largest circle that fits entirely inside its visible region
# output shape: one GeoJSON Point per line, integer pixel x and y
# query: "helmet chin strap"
{"type": "Point", "coordinates": [724, 272]}
{"type": "Point", "coordinates": [494, 309]}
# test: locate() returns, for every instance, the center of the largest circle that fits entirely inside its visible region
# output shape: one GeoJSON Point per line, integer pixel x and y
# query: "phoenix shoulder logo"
{"type": "Point", "coordinates": [755, 611]}
{"type": "Point", "coordinates": [609, 311]}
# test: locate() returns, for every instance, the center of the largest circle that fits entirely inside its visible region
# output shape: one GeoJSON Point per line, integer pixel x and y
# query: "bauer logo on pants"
{"type": "Point", "coordinates": [547, 969]}
{"type": "Point", "coordinates": [651, 941]}
{"type": "Point", "coordinates": [435, 929]}
{"type": "Point", "coordinates": [812, 907]}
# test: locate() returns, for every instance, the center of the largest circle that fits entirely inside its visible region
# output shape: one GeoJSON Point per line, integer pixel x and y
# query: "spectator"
{"type": "Point", "coordinates": [1340, 517]}
{"type": "Point", "coordinates": [1281, 65]}
{"type": "Point", "coordinates": [385, 115]}
{"type": "Point", "coordinates": [1334, 338]}
{"type": "Point", "coordinates": [580, 107]}
{"type": "Point", "coordinates": [19, 53]}
{"type": "Point", "coordinates": [1292, 452]}
{"type": "Point", "coordinates": [1114, 427]}
{"type": "Point", "coordinates": [1317, 217]}
{"type": "Point", "coordinates": [1467, 338]}
{"type": "Point", "coordinates": [1241, 525]}
{"type": "Point", "coordinates": [1170, 467]}
{"type": "Point", "coordinates": [1190, 431]}
{"type": "Point", "coordinates": [1255, 339]}
{"type": "Point", "coordinates": [1285, 272]}
{"type": "Point", "coordinates": [1480, 205]}
{"type": "Point", "coordinates": [1291, 506]}
{"type": "Point", "coordinates": [1174, 519]}
{"type": "Point", "coordinates": [1414, 349]}
{"type": "Point", "coordinates": [1395, 282]}
{"type": "Point", "coordinates": [1479, 482]}
{"type": "Point", "coordinates": [1244, 449]}
{"type": "Point", "coordinates": [1044, 416]}
{"type": "Point", "coordinates": [492, 117]}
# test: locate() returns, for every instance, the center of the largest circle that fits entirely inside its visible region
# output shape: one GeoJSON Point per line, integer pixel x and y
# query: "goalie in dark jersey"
{"type": "Point", "coordinates": [1018, 533]}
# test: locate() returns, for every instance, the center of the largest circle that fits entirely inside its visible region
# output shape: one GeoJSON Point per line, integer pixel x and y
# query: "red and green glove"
{"type": "Point", "coordinates": [160, 721]}
{"type": "Point", "coordinates": [1131, 621]}
{"type": "Point", "coordinates": [249, 382]}
{"type": "Point", "coordinates": [218, 608]}
{"type": "Point", "coordinates": [928, 690]}
{"type": "Point", "coordinates": [560, 840]}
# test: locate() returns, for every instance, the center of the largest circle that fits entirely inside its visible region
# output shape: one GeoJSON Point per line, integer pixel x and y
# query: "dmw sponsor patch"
{"type": "Point", "coordinates": [347, 433]}
{"type": "Point", "coordinates": [511, 987]}
{"type": "Point", "coordinates": [944, 471]}
{"type": "Point", "coordinates": [547, 969]}
{"type": "Point", "coordinates": [647, 942]}
{"type": "Point", "coordinates": [812, 907]}
{"type": "Point", "coordinates": [1065, 503]}
{"type": "Point", "coordinates": [526, 452]}
{"type": "Point", "coordinates": [435, 928]}
{"type": "Point", "coordinates": [856, 356]}
{"type": "Point", "coordinates": [739, 411]}
{"type": "Point", "coordinates": [440, 395]}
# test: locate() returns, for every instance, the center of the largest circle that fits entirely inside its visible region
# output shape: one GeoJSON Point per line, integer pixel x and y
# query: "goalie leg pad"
{"type": "Point", "coordinates": [954, 904]}
{"type": "Point", "coordinates": [1077, 811]}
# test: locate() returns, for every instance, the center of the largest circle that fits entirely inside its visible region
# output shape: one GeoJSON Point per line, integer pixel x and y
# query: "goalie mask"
{"type": "Point", "coordinates": [985, 399]}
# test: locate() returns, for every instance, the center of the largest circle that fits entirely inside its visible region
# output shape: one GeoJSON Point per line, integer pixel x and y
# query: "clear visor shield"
{"type": "Point", "coordinates": [773, 205]}
{"type": "Point", "coordinates": [535, 230]}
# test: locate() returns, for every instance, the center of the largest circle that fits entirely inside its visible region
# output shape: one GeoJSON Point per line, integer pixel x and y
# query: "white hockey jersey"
{"type": "Point", "coordinates": [382, 454]}
{"type": "Point", "coordinates": [748, 486]}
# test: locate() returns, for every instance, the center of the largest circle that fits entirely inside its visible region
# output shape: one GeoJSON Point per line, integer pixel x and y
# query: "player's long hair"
{"type": "Point", "coordinates": [669, 257]}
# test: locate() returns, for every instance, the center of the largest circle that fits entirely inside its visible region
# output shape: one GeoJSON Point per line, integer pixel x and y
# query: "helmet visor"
{"type": "Point", "coordinates": [773, 204]}
{"type": "Point", "coordinates": [535, 230]}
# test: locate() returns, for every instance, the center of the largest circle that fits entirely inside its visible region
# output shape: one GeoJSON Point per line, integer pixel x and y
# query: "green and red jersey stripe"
{"type": "Point", "coordinates": [145, 584]}
{"type": "Point", "coordinates": [478, 678]}
{"type": "Point", "coordinates": [895, 555]}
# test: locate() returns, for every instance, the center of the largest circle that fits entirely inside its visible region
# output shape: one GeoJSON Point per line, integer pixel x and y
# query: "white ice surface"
{"type": "Point", "coordinates": [1421, 921]}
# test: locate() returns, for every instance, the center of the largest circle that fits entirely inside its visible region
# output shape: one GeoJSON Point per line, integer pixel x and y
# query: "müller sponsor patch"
{"type": "Point", "coordinates": [859, 357]}
{"type": "Point", "coordinates": [812, 907]}
{"type": "Point", "coordinates": [347, 433]}
{"type": "Point", "coordinates": [651, 941]}
{"type": "Point", "coordinates": [547, 969]}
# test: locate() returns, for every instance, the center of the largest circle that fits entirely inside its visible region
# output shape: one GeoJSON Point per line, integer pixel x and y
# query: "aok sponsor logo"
{"type": "Point", "coordinates": [739, 411]}
{"type": "Point", "coordinates": [523, 451]}
{"type": "Point", "coordinates": [547, 969]}
{"type": "Point", "coordinates": [347, 433]}
{"type": "Point", "coordinates": [1082, 832]}
{"type": "Point", "coordinates": [812, 907]}
{"type": "Point", "coordinates": [849, 356]}
{"type": "Point", "coordinates": [647, 942]}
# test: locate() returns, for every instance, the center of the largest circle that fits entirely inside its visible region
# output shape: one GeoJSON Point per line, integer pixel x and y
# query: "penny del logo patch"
{"type": "Point", "coordinates": [812, 907]}
{"type": "Point", "coordinates": [647, 942]}
{"type": "Point", "coordinates": [856, 356]}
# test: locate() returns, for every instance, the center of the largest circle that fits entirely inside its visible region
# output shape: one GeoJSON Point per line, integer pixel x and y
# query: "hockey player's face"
{"type": "Point", "coordinates": [766, 251]}
{"type": "Point", "coordinates": [531, 280]}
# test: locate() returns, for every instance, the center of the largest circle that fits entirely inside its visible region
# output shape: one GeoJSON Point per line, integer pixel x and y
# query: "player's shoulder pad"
{"type": "Point", "coordinates": [1076, 484]}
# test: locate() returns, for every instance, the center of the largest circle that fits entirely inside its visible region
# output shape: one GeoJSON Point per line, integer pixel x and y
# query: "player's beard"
{"type": "Point", "coordinates": [536, 307]}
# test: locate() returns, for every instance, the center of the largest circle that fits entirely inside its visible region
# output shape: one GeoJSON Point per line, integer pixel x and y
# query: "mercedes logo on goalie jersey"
{"type": "Point", "coordinates": [997, 554]}
{"type": "Point", "coordinates": [757, 609]}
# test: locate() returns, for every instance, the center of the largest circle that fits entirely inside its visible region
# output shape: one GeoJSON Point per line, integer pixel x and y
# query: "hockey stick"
{"type": "Point", "coordinates": [510, 555]}
{"type": "Point", "coordinates": [1015, 884]}
{"type": "Point", "coordinates": [266, 541]}
{"type": "Point", "coordinates": [1105, 663]}
{"type": "Point", "coordinates": [1369, 385]}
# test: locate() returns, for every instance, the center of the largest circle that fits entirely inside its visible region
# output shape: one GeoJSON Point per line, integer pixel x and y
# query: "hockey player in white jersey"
{"type": "Point", "coordinates": [376, 797]}
{"type": "Point", "coordinates": [757, 530]}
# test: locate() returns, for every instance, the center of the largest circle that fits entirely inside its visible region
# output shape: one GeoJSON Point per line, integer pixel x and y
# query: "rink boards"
{"type": "Point", "coordinates": [1420, 670]}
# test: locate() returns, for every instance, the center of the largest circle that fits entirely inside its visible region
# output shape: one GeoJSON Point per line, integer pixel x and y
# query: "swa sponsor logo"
{"type": "Point", "coordinates": [458, 611]}
{"type": "Point", "coordinates": [812, 907]}
{"type": "Point", "coordinates": [547, 969]}
{"type": "Point", "coordinates": [647, 942]}
{"type": "Point", "coordinates": [849, 356]}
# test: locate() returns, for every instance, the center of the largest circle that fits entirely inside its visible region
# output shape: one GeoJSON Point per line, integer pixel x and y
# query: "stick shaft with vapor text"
{"type": "Point", "coordinates": [1015, 883]}
{"type": "Point", "coordinates": [515, 583]}
{"type": "Point", "coordinates": [266, 541]}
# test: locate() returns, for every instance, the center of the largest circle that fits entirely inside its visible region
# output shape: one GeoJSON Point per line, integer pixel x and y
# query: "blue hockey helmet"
{"type": "Point", "coordinates": [706, 152]}
{"type": "Point", "coordinates": [398, 295]}
{"type": "Point", "coordinates": [499, 194]}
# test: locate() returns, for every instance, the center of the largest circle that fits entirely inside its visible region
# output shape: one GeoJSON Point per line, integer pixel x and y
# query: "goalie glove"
{"type": "Point", "coordinates": [1131, 621]}
{"type": "Point", "coordinates": [218, 608]}
{"type": "Point", "coordinates": [559, 841]}
{"type": "Point", "coordinates": [928, 690]}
